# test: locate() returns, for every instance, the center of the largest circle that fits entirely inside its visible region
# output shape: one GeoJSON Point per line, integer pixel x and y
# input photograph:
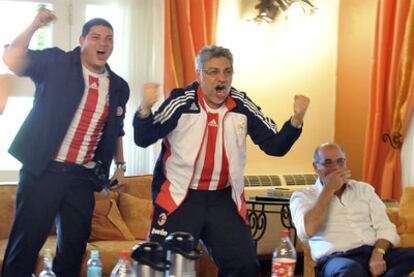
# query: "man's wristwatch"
{"type": "Point", "coordinates": [120, 165]}
{"type": "Point", "coordinates": [379, 250]}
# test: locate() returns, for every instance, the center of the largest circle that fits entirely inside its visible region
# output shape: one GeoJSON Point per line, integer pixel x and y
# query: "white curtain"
{"type": "Point", "coordinates": [139, 42]}
{"type": "Point", "coordinates": [407, 157]}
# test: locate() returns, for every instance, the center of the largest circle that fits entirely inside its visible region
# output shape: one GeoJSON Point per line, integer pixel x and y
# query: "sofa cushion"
{"type": "Point", "coordinates": [139, 186]}
{"type": "Point", "coordinates": [106, 194]}
{"type": "Point", "coordinates": [137, 213]}
{"type": "Point", "coordinates": [7, 206]}
{"type": "Point", "coordinates": [406, 211]}
{"type": "Point", "coordinates": [107, 222]}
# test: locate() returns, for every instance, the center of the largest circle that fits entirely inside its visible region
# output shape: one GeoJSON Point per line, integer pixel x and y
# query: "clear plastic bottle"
{"type": "Point", "coordinates": [284, 257]}
{"type": "Point", "coordinates": [47, 264]}
{"type": "Point", "coordinates": [123, 268]}
{"type": "Point", "coordinates": [94, 265]}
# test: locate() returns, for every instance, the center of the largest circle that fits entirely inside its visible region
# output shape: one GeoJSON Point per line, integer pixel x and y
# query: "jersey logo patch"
{"type": "Point", "coordinates": [193, 107]}
{"type": "Point", "coordinates": [162, 218]}
{"type": "Point", "coordinates": [213, 123]}
{"type": "Point", "coordinates": [94, 85]}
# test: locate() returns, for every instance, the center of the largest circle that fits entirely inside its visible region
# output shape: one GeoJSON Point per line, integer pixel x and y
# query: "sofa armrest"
{"type": "Point", "coordinates": [308, 263]}
{"type": "Point", "coordinates": [393, 215]}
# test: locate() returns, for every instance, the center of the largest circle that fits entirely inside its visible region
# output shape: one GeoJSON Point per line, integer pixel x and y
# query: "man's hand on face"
{"type": "Point", "coordinates": [336, 179]}
{"type": "Point", "coordinates": [43, 17]}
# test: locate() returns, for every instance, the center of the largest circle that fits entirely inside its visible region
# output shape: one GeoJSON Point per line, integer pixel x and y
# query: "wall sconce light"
{"type": "Point", "coordinates": [270, 9]}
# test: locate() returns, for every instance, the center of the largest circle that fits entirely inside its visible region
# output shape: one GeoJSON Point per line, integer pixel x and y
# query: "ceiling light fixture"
{"type": "Point", "coordinates": [269, 10]}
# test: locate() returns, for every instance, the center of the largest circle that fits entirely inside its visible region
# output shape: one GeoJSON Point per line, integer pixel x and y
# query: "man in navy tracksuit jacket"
{"type": "Point", "coordinates": [76, 121]}
{"type": "Point", "coordinates": [198, 179]}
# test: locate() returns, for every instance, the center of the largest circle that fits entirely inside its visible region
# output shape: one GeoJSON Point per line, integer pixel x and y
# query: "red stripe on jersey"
{"type": "Point", "coordinates": [230, 104]}
{"type": "Point", "coordinates": [224, 173]}
{"type": "Point", "coordinates": [208, 166]}
{"type": "Point", "coordinates": [167, 154]}
{"type": "Point", "coordinates": [243, 208]}
{"type": "Point", "coordinates": [95, 135]}
{"type": "Point", "coordinates": [85, 120]}
{"type": "Point", "coordinates": [200, 96]}
{"type": "Point", "coordinates": [164, 198]}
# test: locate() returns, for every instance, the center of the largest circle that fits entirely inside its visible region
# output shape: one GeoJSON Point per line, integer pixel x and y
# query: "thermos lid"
{"type": "Point", "coordinates": [150, 253]}
{"type": "Point", "coordinates": [182, 243]}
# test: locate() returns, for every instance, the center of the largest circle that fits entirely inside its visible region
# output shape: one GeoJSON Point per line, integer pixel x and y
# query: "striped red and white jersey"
{"type": "Point", "coordinates": [212, 167]}
{"type": "Point", "coordinates": [86, 128]}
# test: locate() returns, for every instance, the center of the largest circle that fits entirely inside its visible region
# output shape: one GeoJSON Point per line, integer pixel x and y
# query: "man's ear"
{"type": "Point", "coordinates": [81, 41]}
{"type": "Point", "coordinates": [198, 74]}
{"type": "Point", "coordinates": [315, 167]}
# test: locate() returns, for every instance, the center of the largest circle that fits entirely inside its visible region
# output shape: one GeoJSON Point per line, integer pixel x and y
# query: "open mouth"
{"type": "Point", "coordinates": [221, 92]}
{"type": "Point", "coordinates": [101, 54]}
{"type": "Point", "coordinates": [220, 89]}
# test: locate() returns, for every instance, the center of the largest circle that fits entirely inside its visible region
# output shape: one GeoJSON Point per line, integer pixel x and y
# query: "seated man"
{"type": "Point", "coordinates": [345, 223]}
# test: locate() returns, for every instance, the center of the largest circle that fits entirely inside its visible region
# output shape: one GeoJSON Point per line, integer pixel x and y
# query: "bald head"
{"type": "Point", "coordinates": [326, 145]}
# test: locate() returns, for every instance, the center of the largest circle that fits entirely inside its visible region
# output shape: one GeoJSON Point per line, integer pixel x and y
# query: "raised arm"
{"type": "Point", "coordinates": [15, 54]}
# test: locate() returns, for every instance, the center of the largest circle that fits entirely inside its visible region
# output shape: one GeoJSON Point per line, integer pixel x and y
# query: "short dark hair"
{"type": "Point", "coordinates": [212, 51]}
{"type": "Point", "coordinates": [95, 22]}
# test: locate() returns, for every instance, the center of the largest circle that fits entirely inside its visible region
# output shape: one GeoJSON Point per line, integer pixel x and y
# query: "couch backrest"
{"type": "Point", "coordinates": [139, 186]}
{"type": "Point", "coordinates": [7, 207]}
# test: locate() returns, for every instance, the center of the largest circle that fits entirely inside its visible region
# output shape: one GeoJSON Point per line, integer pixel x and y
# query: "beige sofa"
{"type": "Point", "coordinates": [121, 220]}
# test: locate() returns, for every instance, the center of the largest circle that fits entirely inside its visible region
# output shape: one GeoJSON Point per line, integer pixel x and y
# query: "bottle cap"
{"type": "Point", "coordinates": [285, 233]}
{"type": "Point", "coordinates": [124, 254]}
{"type": "Point", "coordinates": [94, 254]}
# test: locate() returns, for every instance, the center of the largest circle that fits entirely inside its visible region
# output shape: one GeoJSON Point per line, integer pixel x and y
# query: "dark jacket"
{"type": "Point", "coordinates": [60, 86]}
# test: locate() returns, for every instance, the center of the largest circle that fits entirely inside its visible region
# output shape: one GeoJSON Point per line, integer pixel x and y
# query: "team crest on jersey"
{"type": "Point", "coordinates": [119, 111]}
{"type": "Point", "coordinates": [241, 128]}
{"type": "Point", "coordinates": [162, 218]}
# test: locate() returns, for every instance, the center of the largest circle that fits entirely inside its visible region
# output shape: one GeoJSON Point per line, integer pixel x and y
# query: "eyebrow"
{"type": "Point", "coordinates": [330, 160]}
{"type": "Point", "coordinates": [208, 68]}
{"type": "Point", "coordinates": [99, 34]}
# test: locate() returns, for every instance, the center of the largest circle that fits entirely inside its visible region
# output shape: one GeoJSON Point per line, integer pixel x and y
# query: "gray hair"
{"type": "Point", "coordinates": [209, 52]}
{"type": "Point", "coordinates": [317, 158]}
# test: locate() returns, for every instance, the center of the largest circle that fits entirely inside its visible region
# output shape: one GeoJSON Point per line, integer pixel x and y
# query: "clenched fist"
{"type": "Point", "coordinates": [43, 17]}
{"type": "Point", "coordinates": [300, 106]}
{"type": "Point", "coordinates": [150, 97]}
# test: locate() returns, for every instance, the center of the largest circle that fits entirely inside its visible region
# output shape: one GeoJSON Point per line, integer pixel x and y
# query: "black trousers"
{"type": "Point", "coordinates": [355, 263]}
{"type": "Point", "coordinates": [212, 217]}
{"type": "Point", "coordinates": [63, 193]}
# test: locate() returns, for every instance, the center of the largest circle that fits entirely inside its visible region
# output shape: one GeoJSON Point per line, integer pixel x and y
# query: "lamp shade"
{"type": "Point", "coordinates": [5, 88]}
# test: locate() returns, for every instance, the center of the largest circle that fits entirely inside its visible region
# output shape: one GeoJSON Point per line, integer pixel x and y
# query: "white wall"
{"type": "Point", "coordinates": [273, 62]}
